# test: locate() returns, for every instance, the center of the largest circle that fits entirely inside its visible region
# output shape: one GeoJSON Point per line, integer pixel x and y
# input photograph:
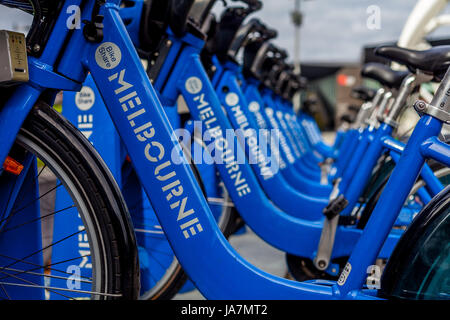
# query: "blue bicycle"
{"type": "Point", "coordinates": [103, 48]}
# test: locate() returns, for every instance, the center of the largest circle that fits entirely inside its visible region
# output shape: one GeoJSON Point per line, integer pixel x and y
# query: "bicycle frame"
{"type": "Point", "coordinates": [258, 211]}
{"type": "Point", "coordinates": [179, 204]}
{"type": "Point", "coordinates": [167, 87]}
{"type": "Point", "coordinates": [372, 143]}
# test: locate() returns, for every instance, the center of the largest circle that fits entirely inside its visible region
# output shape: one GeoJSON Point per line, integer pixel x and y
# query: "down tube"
{"type": "Point", "coordinates": [215, 267]}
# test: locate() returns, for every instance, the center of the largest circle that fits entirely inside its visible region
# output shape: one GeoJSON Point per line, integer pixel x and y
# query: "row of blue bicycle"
{"type": "Point", "coordinates": [176, 129]}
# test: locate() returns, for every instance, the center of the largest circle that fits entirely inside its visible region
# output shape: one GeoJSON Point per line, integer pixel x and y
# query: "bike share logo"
{"type": "Point", "coordinates": [232, 99]}
{"type": "Point", "coordinates": [85, 98]}
{"type": "Point", "coordinates": [194, 85]}
{"type": "Point", "coordinates": [108, 55]}
{"type": "Point", "coordinates": [253, 106]}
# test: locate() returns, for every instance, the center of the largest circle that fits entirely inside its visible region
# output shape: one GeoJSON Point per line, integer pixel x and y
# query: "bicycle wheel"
{"type": "Point", "coordinates": [65, 232]}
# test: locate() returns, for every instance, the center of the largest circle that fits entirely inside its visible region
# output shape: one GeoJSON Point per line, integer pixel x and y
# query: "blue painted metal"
{"type": "Point", "coordinates": [284, 196]}
{"type": "Point", "coordinates": [185, 218]}
{"type": "Point", "coordinates": [436, 149]}
{"type": "Point", "coordinates": [388, 207]}
{"type": "Point", "coordinates": [355, 186]}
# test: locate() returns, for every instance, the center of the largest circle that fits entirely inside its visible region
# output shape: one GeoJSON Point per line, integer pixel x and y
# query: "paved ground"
{"type": "Point", "coordinates": [254, 250]}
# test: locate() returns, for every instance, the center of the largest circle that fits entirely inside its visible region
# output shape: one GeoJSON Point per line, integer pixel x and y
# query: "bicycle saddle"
{"type": "Point", "coordinates": [435, 60]}
{"type": "Point", "coordinates": [384, 74]}
{"type": "Point", "coordinates": [363, 93]}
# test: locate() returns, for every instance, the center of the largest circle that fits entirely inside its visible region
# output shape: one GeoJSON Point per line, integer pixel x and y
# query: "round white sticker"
{"type": "Point", "coordinates": [232, 99]}
{"type": "Point", "coordinates": [85, 98]}
{"type": "Point", "coordinates": [254, 106]}
{"type": "Point", "coordinates": [108, 55]}
{"type": "Point", "coordinates": [193, 85]}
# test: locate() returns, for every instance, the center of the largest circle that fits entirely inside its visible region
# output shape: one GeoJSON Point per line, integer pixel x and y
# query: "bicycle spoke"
{"type": "Point", "coordinates": [157, 261]}
{"type": "Point", "coordinates": [42, 274]}
{"type": "Point", "coordinates": [37, 219]}
{"type": "Point", "coordinates": [4, 290]}
{"type": "Point", "coordinates": [39, 173]}
{"type": "Point", "coordinates": [116, 295]}
{"type": "Point", "coordinates": [40, 250]}
{"type": "Point", "coordinates": [220, 201]}
{"type": "Point", "coordinates": [30, 284]}
{"type": "Point", "coordinates": [48, 265]}
{"type": "Point", "coordinates": [152, 277]}
{"type": "Point", "coordinates": [28, 204]}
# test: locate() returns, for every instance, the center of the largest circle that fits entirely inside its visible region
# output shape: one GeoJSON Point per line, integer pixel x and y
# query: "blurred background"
{"type": "Point", "coordinates": [329, 39]}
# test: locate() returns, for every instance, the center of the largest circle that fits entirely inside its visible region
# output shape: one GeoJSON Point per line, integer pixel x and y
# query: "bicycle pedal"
{"type": "Point", "coordinates": [13, 58]}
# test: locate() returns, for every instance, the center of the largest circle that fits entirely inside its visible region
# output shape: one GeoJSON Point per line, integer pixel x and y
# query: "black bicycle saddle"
{"type": "Point", "coordinates": [384, 74]}
{"type": "Point", "coordinates": [435, 61]}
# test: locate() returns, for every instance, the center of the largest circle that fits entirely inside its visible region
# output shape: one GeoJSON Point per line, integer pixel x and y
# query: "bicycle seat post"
{"type": "Point", "coordinates": [372, 121]}
{"type": "Point", "coordinates": [367, 108]}
{"type": "Point", "coordinates": [406, 88]}
{"type": "Point", "coordinates": [439, 107]}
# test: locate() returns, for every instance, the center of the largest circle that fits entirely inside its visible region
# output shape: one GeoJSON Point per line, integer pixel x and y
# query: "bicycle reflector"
{"type": "Point", "coordinates": [12, 166]}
